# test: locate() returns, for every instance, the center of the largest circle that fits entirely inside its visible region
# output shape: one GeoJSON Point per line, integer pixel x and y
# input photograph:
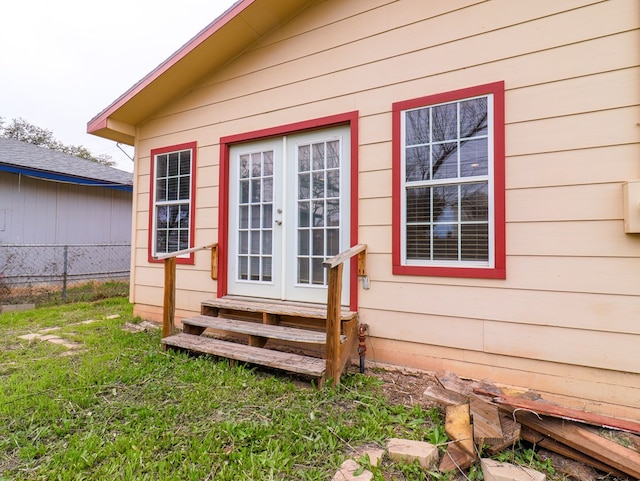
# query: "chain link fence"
{"type": "Point", "coordinates": [40, 273]}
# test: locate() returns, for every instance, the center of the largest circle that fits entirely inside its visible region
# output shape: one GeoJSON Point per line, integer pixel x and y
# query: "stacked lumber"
{"type": "Point", "coordinates": [482, 417]}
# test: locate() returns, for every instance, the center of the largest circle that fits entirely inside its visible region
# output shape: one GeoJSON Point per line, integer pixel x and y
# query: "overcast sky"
{"type": "Point", "coordinates": [64, 61]}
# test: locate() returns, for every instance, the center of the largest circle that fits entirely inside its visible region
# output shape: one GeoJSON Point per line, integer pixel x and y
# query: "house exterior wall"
{"type": "Point", "coordinates": [564, 321]}
{"type": "Point", "coordinates": [34, 211]}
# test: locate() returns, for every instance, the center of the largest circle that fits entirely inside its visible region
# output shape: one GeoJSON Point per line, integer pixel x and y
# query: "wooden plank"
{"type": "Point", "coordinates": [169, 301]}
{"type": "Point", "coordinates": [545, 408]}
{"type": "Point", "coordinates": [313, 311]}
{"type": "Point", "coordinates": [455, 458]}
{"type": "Point", "coordinates": [486, 420]}
{"type": "Point", "coordinates": [271, 331]}
{"type": "Point", "coordinates": [444, 396]}
{"type": "Point", "coordinates": [452, 382]}
{"type": "Point", "coordinates": [511, 430]}
{"type": "Point", "coordinates": [457, 425]}
{"type": "Point", "coordinates": [551, 444]}
{"type": "Point", "coordinates": [308, 366]}
{"type": "Point", "coordinates": [334, 370]}
{"type": "Point", "coordinates": [588, 443]}
{"type": "Point", "coordinates": [344, 256]}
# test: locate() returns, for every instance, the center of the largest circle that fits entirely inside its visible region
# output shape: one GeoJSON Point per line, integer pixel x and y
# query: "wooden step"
{"type": "Point", "coordinates": [304, 365]}
{"type": "Point", "coordinates": [298, 309]}
{"type": "Point", "coordinates": [269, 331]}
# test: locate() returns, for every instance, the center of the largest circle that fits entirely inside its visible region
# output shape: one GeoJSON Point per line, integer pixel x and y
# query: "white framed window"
{"type": "Point", "coordinates": [449, 184]}
{"type": "Point", "coordinates": [172, 200]}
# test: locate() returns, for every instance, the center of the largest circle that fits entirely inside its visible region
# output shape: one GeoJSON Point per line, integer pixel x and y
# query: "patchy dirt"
{"type": "Point", "coordinates": [404, 387]}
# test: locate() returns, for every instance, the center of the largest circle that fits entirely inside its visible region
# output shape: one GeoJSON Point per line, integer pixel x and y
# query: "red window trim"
{"type": "Point", "coordinates": [192, 212]}
{"type": "Point", "coordinates": [498, 271]}
{"type": "Point", "coordinates": [348, 118]}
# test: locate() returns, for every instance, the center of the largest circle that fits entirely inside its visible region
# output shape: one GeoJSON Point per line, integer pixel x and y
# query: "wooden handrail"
{"type": "Point", "coordinates": [334, 305]}
{"type": "Point", "coordinates": [169, 304]}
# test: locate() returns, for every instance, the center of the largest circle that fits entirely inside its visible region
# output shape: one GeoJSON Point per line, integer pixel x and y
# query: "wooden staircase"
{"type": "Point", "coordinates": [285, 336]}
{"type": "Point", "coordinates": [311, 340]}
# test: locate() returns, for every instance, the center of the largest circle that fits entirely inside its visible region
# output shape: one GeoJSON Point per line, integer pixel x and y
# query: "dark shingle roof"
{"type": "Point", "coordinates": [22, 157]}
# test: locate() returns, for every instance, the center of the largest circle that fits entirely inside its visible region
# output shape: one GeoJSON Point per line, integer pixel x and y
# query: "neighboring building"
{"type": "Point", "coordinates": [479, 149]}
{"type": "Point", "coordinates": [48, 198]}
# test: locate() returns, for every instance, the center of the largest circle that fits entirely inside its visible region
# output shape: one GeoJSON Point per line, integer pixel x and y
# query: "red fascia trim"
{"type": "Point", "coordinates": [99, 121]}
{"type": "Point", "coordinates": [192, 208]}
{"type": "Point", "coordinates": [350, 118]}
{"type": "Point", "coordinates": [499, 270]}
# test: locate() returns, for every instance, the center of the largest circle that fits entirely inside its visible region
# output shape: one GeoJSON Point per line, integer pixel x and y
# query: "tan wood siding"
{"type": "Point", "coordinates": [571, 71]}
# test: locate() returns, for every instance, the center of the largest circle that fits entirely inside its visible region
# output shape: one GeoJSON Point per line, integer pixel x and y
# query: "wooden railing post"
{"type": "Point", "coordinates": [334, 316]}
{"type": "Point", "coordinates": [169, 306]}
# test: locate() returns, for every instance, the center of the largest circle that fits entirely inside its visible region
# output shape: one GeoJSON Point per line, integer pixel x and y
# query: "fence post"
{"type": "Point", "coordinates": [65, 257]}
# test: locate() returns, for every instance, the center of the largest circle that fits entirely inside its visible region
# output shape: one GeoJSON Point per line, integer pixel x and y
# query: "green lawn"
{"type": "Point", "coordinates": [119, 407]}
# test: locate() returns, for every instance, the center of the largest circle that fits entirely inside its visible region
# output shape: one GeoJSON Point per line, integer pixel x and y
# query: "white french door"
{"type": "Point", "coordinates": [288, 212]}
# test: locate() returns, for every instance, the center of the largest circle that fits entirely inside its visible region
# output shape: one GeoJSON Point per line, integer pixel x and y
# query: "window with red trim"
{"type": "Point", "coordinates": [172, 200]}
{"type": "Point", "coordinates": [449, 184]}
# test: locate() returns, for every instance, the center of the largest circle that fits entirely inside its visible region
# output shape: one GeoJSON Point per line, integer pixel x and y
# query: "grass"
{"type": "Point", "coordinates": [121, 408]}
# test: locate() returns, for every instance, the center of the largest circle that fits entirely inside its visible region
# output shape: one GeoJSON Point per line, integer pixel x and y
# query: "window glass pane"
{"type": "Point", "coordinates": [474, 202]}
{"type": "Point", "coordinates": [183, 216]}
{"type": "Point", "coordinates": [267, 189]}
{"type": "Point", "coordinates": [244, 191]}
{"type": "Point", "coordinates": [417, 163]}
{"type": "Point", "coordinates": [417, 127]}
{"type": "Point", "coordinates": [303, 214]}
{"type": "Point", "coordinates": [267, 163]}
{"type": "Point", "coordinates": [255, 242]}
{"type": "Point", "coordinates": [318, 242]}
{"type": "Point", "coordinates": [266, 269]}
{"type": "Point", "coordinates": [172, 188]}
{"type": "Point", "coordinates": [184, 188]}
{"type": "Point", "coordinates": [304, 157]}
{"type": "Point", "coordinates": [333, 154]}
{"type": "Point", "coordinates": [173, 164]}
{"type": "Point", "coordinates": [333, 183]}
{"type": "Point", "coordinates": [444, 122]}
{"type": "Point", "coordinates": [474, 157]}
{"type": "Point", "coordinates": [333, 242]}
{"type": "Point", "coordinates": [445, 204]}
{"type": "Point", "coordinates": [267, 216]}
{"type": "Point", "coordinates": [445, 161]}
{"type": "Point", "coordinates": [243, 242]}
{"type": "Point", "coordinates": [244, 166]}
{"type": "Point", "coordinates": [184, 239]}
{"type": "Point", "coordinates": [255, 190]}
{"type": "Point", "coordinates": [418, 204]}
{"type": "Point", "coordinates": [475, 242]}
{"type": "Point", "coordinates": [303, 270]}
{"type": "Point", "coordinates": [317, 183]}
{"type": "Point", "coordinates": [161, 165]}
{"type": "Point", "coordinates": [317, 271]}
{"type": "Point", "coordinates": [254, 269]}
{"type": "Point", "coordinates": [317, 211]}
{"type": "Point", "coordinates": [333, 212]}
{"type": "Point", "coordinates": [318, 156]}
{"type": "Point", "coordinates": [418, 242]}
{"type": "Point", "coordinates": [473, 117]}
{"type": "Point", "coordinates": [256, 165]}
{"type": "Point", "coordinates": [304, 185]}
{"type": "Point", "coordinates": [185, 162]}
{"type": "Point", "coordinates": [244, 217]}
{"type": "Point", "coordinates": [161, 190]}
{"type": "Point", "coordinates": [255, 216]}
{"type": "Point", "coordinates": [267, 244]}
{"type": "Point", "coordinates": [243, 268]}
{"type": "Point", "coordinates": [172, 242]}
{"type": "Point", "coordinates": [303, 242]}
{"type": "Point", "coordinates": [445, 242]}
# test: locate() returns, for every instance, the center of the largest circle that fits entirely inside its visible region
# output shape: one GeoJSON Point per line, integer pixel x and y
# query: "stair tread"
{"type": "Point", "coordinates": [271, 331]}
{"type": "Point", "coordinates": [314, 311]}
{"type": "Point", "coordinates": [309, 366]}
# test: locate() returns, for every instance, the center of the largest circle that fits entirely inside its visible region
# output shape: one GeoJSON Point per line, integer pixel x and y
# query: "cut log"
{"type": "Point", "coordinates": [451, 382]}
{"type": "Point", "coordinates": [553, 410]}
{"type": "Point", "coordinates": [585, 441]}
{"type": "Point", "coordinates": [486, 420]}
